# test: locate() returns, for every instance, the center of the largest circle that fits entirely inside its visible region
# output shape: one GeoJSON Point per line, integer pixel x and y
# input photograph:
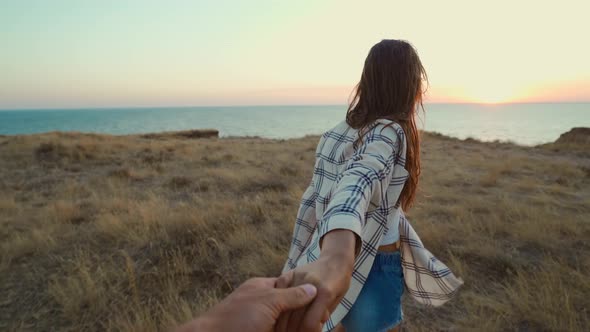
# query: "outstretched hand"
{"type": "Point", "coordinates": [254, 306]}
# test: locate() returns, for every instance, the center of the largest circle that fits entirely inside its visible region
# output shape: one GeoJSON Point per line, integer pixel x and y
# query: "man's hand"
{"type": "Point", "coordinates": [254, 306]}
{"type": "Point", "coordinates": [331, 274]}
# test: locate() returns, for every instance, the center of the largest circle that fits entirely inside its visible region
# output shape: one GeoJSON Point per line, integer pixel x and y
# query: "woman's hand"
{"type": "Point", "coordinates": [331, 275]}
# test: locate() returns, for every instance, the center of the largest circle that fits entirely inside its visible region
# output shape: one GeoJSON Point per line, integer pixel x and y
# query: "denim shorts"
{"type": "Point", "coordinates": [378, 306]}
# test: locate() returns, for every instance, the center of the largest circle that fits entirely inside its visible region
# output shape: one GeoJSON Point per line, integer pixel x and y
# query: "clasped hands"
{"type": "Point", "coordinates": [300, 300]}
{"type": "Point", "coordinates": [331, 276]}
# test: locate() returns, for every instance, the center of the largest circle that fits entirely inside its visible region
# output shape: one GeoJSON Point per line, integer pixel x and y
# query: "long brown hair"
{"type": "Point", "coordinates": [391, 86]}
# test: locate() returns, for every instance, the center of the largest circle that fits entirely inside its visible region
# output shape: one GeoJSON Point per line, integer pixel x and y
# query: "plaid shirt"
{"type": "Point", "coordinates": [356, 187]}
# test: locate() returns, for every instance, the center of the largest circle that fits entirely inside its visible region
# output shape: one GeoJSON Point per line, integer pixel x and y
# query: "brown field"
{"type": "Point", "coordinates": [137, 233]}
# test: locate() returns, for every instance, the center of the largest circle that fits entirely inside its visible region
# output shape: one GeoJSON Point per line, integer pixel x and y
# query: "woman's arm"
{"type": "Point", "coordinates": [363, 184]}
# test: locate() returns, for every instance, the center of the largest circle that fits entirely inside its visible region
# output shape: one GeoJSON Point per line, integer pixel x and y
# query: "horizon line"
{"type": "Point", "coordinates": [272, 105]}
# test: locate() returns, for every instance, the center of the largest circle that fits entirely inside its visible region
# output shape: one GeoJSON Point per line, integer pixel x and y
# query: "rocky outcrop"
{"type": "Point", "coordinates": [578, 135]}
{"type": "Point", "coordinates": [194, 133]}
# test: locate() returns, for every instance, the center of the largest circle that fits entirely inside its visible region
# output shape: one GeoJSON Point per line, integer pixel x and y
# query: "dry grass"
{"type": "Point", "coordinates": [139, 233]}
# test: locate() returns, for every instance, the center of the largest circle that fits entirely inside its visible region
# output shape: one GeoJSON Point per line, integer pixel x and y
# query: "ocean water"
{"type": "Point", "coordinates": [526, 124]}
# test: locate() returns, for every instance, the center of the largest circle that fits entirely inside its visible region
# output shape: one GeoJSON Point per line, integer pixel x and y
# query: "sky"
{"type": "Point", "coordinates": [119, 53]}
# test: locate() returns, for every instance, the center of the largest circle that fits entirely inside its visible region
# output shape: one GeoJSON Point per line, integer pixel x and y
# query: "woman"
{"type": "Point", "coordinates": [346, 238]}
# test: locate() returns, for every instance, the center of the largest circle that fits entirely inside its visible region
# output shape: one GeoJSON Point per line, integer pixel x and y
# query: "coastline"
{"type": "Point", "coordinates": [137, 233]}
{"type": "Point", "coordinates": [526, 124]}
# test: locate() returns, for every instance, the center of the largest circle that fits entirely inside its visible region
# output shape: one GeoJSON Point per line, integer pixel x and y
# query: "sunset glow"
{"type": "Point", "coordinates": [142, 53]}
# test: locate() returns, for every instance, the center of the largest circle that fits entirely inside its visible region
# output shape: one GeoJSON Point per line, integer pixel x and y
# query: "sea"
{"type": "Point", "coordinates": [525, 124]}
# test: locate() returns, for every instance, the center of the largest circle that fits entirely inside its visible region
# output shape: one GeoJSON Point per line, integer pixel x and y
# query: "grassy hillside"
{"type": "Point", "coordinates": [136, 233]}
